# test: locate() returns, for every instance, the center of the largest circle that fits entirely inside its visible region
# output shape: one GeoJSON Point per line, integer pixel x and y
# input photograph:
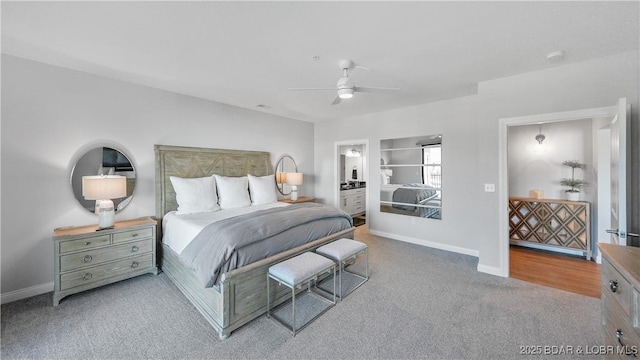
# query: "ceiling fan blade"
{"type": "Point", "coordinates": [297, 89]}
{"type": "Point", "coordinates": [336, 101]}
{"type": "Point", "coordinates": [373, 89]}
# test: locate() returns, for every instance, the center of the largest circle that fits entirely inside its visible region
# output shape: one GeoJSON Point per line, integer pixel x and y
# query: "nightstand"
{"type": "Point", "coordinates": [301, 199]}
{"type": "Point", "coordinates": [86, 258]}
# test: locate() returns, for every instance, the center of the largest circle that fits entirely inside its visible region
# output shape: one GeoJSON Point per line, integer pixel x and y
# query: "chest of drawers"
{"type": "Point", "coordinates": [85, 258]}
{"type": "Point", "coordinates": [620, 300]}
{"type": "Point", "coordinates": [353, 201]}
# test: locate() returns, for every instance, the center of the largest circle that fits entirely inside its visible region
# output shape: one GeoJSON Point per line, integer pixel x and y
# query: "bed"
{"type": "Point", "coordinates": [237, 295]}
{"type": "Point", "coordinates": [411, 199]}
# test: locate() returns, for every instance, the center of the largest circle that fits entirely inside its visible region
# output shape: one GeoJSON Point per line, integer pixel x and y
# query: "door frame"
{"type": "Point", "coordinates": [503, 170]}
{"type": "Point", "coordinates": [336, 170]}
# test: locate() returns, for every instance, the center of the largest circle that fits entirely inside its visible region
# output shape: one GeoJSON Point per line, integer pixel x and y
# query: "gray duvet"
{"type": "Point", "coordinates": [231, 243]}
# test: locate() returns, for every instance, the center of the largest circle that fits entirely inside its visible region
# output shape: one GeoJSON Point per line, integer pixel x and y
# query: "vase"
{"type": "Point", "coordinates": [573, 196]}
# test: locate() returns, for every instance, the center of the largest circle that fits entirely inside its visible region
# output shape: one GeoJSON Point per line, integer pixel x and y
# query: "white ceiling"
{"type": "Point", "coordinates": [251, 53]}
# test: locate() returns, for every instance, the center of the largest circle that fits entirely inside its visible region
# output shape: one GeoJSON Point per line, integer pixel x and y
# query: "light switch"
{"type": "Point", "coordinates": [489, 187]}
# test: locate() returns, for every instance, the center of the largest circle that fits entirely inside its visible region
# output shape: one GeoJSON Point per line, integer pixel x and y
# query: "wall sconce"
{"type": "Point", "coordinates": [295, 180]}
{"type": "Point", "coordinates": [540, 137]}
{"type": "Point", "coordinates": [102, 189]}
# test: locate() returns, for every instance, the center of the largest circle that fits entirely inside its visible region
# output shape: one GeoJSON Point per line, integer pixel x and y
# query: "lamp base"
{"type": "Point", "coordinates": [106, 214]}
{"type": "Point", "coordinates": [294, 193]}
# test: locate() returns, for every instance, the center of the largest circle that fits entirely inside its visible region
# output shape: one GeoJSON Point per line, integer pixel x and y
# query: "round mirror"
{"type": "Point", "coordinates": [103, 161]}
{"type": "Point", "coordinates": [285, 164]}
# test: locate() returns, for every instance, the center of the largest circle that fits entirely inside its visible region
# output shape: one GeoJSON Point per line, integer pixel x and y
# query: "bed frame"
{"type": "Point", "coordinates": [241, 294]}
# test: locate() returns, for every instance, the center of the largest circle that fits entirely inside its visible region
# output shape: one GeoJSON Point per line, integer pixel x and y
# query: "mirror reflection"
{"type": "Point", "coordinates": [285, 164]}
{"type": "Point", "coordinates": [103, 161]}
{"type": "Point", "coordinates": [411, 176]}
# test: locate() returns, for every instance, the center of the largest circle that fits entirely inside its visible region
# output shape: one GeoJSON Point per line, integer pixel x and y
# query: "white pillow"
{"type": "Point", "coordinates": [233, 192]}
{"type": "Point", "coordinates": [195, 195]}
{"type": "Point", "coordinates": [262, 189]}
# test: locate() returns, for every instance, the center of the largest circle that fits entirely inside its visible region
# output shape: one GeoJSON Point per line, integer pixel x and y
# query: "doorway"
{"type": "Point", "coordinates": [503, 191]}
{"type": "Point", "coordinates": [351, 179]}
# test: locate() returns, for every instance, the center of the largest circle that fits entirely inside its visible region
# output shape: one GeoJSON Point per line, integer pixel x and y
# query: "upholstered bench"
{"type": "Point", "coordinates": [294, 273]}
{"type": "Point", "coordinates": [341, 251]}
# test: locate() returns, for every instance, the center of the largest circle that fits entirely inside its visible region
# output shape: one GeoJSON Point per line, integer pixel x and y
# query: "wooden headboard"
{"type": "Point", "coordinates": [191, 162]}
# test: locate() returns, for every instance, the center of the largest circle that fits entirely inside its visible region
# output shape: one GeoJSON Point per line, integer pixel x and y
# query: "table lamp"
{"type": "Point", "coordinates": [294, 180]}
{"type": "Point", "coordinates": [103, 188]}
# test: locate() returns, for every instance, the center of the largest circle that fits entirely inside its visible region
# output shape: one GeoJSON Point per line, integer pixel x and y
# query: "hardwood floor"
{"type": "Point", "coordinates": [559, 271]}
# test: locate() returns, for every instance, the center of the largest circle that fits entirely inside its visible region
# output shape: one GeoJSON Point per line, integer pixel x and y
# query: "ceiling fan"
{"type": "Point", "coordinates": [344, 87]}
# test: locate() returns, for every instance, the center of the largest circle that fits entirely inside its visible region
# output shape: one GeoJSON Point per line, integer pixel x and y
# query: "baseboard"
{"type": "Point", "coordinates": [491, 270]}
{"type": "Point", "coordinates": [26, 293]}
{"type": "Point", "coordinates": [426, 243]}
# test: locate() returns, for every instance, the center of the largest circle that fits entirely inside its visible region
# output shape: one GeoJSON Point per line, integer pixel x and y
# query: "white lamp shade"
{"type": "Point", "coordinates": [281, 177]}
{"type": "Point", "coordinates": [103, 187]}
{"type": "Point", "coordinates": [294, 179]}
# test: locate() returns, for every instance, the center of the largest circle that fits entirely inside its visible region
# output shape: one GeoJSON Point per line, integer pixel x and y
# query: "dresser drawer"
{"type": "Point", "coordinates": [616, 326]}
{"type": "Point", "coordinates": [98, 256]}
{"type": "Point", "coordinates": [132, 235]}
{"type": "Point", "coordinates": [89, 242]}
{"type": "Point", "coordinates": [105, 271]}
{"type": "Point", "coordinates": [616, 286]}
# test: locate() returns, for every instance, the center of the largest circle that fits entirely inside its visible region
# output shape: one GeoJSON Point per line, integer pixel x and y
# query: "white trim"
{"type": "Point", "coordinates": [503, 171]}
{"type": "Point", "coordinates": [426, 243]}
{"type": "Point", "coordinates": [491, 270]}
{"type": "Point", "coordinates": [26, 293]}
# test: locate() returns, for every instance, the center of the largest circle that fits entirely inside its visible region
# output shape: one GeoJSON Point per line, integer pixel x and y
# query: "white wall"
{"type": "Point", "coordinates": [533, 166]}
{"type": "Point", "coordinates": [51, 115]}
{"type": "Point", "coordinates": [470, 132]}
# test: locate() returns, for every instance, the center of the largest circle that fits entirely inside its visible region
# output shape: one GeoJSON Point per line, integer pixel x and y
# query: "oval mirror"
{"type": "Point", "coordinates": [103, 161]}
{"type": "Point", "coordinates": [285, 164]}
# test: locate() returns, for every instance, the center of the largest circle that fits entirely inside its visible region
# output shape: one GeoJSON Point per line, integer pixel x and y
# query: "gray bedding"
{"type": "Point", "coordinates": [231, 243]}
{"type": "Point", "coordinates": [412, 194]}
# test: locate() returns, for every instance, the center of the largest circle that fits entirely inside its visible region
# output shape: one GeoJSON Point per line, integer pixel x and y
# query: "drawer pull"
{"type": "Point", "coordinates": [87, 258]}
{"type": "Point", "coordinates": [134, 264]}
{"type": "Point", "coordinates": [134, 235]}
{"type": "Point", "coordinates": [87, 243]}
{"type": "Point", "coordinates": [613, 285]}
{"type": "Point", "coordinates": [619, 337]}
{"type": "Point", "coordinates": [87, 276]}
{"type": "Point", "coordinates": [134, 248]}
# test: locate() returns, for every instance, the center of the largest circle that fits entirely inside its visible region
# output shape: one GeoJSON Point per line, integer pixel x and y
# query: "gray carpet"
{"type": "Point", "coordinates": [418, 303]}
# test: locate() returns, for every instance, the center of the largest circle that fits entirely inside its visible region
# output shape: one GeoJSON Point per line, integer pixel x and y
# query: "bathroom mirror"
{"type": "Point", "coordinates": [284, 164]}
{"type": "Point", "coordinates": [351, 165]}
{"type": "Point", "coordinates": [103, 160]}
{"type": "Point", "coordinates": [411, 176]}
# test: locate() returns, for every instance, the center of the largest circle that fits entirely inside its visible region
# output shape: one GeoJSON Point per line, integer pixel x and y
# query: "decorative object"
{"type": "Point", "coordinates": [84, 259]}
{"type": "Point", "coordinates": [285, 164]}
{"type": "Point", "coordinates": [416, 166]}
{"type": "Point", "coordinates": [573, 194]}
{"type": "Point", "coordinates": [537, 194]}
{"type": "Point", "coordinates": [102, 160]}
{"type": "Point", "coordinates": [102, 189]}
{"type": "Point", "coordinates": [295, 180]}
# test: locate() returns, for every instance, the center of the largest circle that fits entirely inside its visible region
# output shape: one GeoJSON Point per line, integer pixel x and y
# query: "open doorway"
{"type": "Point", "coordinates": [615, 116]}
{"type": "Point", "coordinates": [553, 192]}
{"type": "Point", "coordinates": [351, 179]}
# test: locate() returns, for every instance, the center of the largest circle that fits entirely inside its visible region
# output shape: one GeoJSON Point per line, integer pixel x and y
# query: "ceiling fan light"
{"type": "Point", "coordinates": [345, 93]}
